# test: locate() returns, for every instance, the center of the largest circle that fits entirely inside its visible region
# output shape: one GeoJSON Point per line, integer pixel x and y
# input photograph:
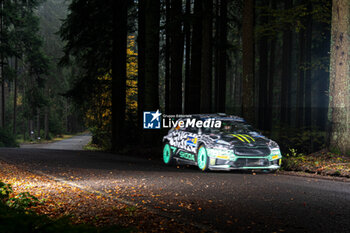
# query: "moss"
{"type": "Point", "coordinates": [335, 150]}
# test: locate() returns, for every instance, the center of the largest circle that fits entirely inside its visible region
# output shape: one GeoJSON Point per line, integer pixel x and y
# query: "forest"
{"type": "Point", "coordinates": [33, 85]}
{"type": "Point", "coordinates": [71, 65]}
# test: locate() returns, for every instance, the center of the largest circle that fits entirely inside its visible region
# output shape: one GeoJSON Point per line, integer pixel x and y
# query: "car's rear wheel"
{"type": "Point", "coordinates": [167, 154]}
{"type": "Point", "coordinates": [202, 158]}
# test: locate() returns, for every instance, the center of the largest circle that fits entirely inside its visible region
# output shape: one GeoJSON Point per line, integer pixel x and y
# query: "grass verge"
{"type": "Point", "coordinates": [322, 162]}
{"type": "Point", "coordinates": [13, 221]}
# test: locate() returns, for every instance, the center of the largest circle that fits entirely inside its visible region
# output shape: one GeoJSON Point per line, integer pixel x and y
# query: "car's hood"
{"type": "Point", "coordinates": [249, 140]}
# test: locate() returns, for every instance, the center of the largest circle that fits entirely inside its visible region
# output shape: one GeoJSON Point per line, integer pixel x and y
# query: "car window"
{"type": "Point", "coordinates": [192, 130]}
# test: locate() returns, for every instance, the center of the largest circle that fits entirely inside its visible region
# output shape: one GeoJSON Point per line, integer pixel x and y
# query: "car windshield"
{"type": "Point", "coordinates": [232, 127]}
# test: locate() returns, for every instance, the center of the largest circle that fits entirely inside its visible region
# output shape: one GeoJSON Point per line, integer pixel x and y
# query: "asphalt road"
{"type": "Point", "coordinates": [220, 201]}
{"type": "Point", "coordinates": [74, 143]}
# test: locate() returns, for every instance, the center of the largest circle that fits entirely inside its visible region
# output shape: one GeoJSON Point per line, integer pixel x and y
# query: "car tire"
{"type": "Point", "coordinates": [167, 154]}
{"type": "Point", "coordinates": [202, 159]}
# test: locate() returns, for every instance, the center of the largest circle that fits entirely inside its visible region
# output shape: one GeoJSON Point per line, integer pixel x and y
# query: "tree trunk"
{"type": "Point", "coordinates": [248, 109]}
{"type": "Point", "coordinates": [187, 29]}
{"type": "Point", "coordinates": [176, 57]}
{"type": "Point", "coordinates": [301, 81]}
{"type": "Point", "coordinates": [192, 101]}
{"type": "Point", "coordinates": [308, 72]}
{"type": "Point", "coordinates": [206, 64]}
{"type": "Point", "coordinates": [15, 98]}
{"type": "Point", "coordinates": [24, 130]}
{"type": "Point", "coordinates": [120, 9]}
{"type": "Point", "coordinates": [38, 123]}
{"type": "Point", "coordinates": [167, 56]}
{"type": "Point", "coordinates": [2, 78]}
{"type": "Point", "coordinates": [269, 112]}
{"type": "Point", "coordinates": [150, 41]}
{"type": "Point", "coordinates": [152, 16]}
{"type": "Point", "coordinates": [339, 94]}
{"type": "Point", "coordinates": [220, 90]}
{"type": "Point", "coordinates": [263, 75]}
{"type": "Point", "coordinates": [141, 67]}
{"type": "Point", "coordinates": [46, 123]}
{"type": "Point", "coordinates": [286, 71]}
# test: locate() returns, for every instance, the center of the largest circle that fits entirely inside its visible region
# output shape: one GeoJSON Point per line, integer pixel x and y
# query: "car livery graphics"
{"type": "Point", "coordinates": [236, 145]}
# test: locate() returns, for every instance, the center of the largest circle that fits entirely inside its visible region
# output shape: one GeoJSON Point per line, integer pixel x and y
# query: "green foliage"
{"type": "Point", "coordinates": [335, 150]}
{"type": "Point", "coordinates": [101, 138]}
{"type": "Point", "coordinates": [14, 221]}
{"type": "Point", "coordinates": [5, 191]}
{"type": "Point", "coordinates": [7, 139]}
{"type": "Point", "coordinates": [16, 216]}
{"type": "Point", "coordinates": [303, 139]}
{"type": "Point", "coordinates": [293, 18]}
{"type": "Point", "coordinates": [23, 201]}
{"type": "Point", "coordinates": [293, 153]}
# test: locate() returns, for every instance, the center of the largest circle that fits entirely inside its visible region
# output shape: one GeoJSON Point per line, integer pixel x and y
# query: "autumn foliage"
{"type": "Point", "coordinates": [99, 115]}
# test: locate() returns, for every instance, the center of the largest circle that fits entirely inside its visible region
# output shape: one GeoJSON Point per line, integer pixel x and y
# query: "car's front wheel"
{"type": "Point", "coordinates": [167, 154]}
{"type": "Point", "coordinates": [202, 158]}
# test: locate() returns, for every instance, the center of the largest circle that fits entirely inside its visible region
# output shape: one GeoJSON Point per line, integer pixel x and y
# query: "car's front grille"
{"type": "Point", "coordinates": [252, 151]}
{"type": "Point", "coordinates": [241, 162]}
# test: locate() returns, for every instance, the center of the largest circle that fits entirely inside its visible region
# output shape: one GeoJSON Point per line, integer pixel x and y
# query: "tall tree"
{"type": "Point", "coordinates": [176, 56]}
{"type": "Point", "coordinates": [167, 56]}
{"type": "Point", "coordinates": [192, 101]}
{"type": "Point", "coordinates": [339, 94]}
{"type": "Point", "coordinates": [286, 70]}
{"type": "Point", "coordinates": [148, 59]}
{"type": "Point", "coordinates": [220, 87]}
{"type": "Point", "coordinates": [273, 42]}
{"type": "Point", "coordinates": [308, 62]}
{"type": "Point", "coordinates": [152, 15]}
{"type": "Point", "coordinates": [206, 64]}
{"type": "Point", "coordinates": [120, 9]}
{"type": "Point", "coordinates": [248, 108]}
{"type": "Point", "coordinates": [187, 31]}
{"type": "Point", "coordinates": [2, 78]}
{"type": "Point", "coordinates": [141, 64]}
{"type": "Point", "coordinates": [263, 73]}
{"type": "Point", "coordinates": [300, 81]}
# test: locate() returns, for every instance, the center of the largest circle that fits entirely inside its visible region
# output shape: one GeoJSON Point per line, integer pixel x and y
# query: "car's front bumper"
{"type": "Point", "coordinates": [262, 163]}
{"type": "Point", "coordinates": [223, 159]}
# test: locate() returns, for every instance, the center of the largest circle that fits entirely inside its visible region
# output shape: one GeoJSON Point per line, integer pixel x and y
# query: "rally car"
{"type": "Point", "coordinates": [233, 145]}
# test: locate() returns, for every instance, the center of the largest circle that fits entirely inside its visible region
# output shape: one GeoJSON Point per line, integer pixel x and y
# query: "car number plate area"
{"type": "Point", "coordinates": [241, 162]}
{"type": "Point", "coordinates": [258, 162]}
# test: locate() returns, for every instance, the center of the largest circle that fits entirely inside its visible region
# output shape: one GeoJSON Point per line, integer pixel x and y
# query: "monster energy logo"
{"type": "Point", "coordinates": [243, 137]}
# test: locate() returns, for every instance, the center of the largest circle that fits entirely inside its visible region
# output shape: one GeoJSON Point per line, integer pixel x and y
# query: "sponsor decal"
{"type": "Point", "coordinates": [243, 137]}
{"type": "Point", "coordinates": [192, 141]}
{"type": "Point", "coordinates": [179, 139]}
{"type": "Point", "coordinates": [185, 155]}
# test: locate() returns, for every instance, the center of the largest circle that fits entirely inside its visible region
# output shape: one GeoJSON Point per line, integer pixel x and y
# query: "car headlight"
{"type": "Point", "coordinates": [273, 145]}
{"type": "Point", "coordinates": [222, 143]}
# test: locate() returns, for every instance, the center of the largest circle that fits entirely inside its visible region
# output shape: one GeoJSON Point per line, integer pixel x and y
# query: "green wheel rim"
{"type": "Point", "coordinates": [166, 154]}
{"type": "Point", "coordinates": [202, 158]}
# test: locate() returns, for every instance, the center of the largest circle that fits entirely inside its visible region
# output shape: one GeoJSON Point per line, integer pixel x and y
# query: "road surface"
{"type": "Point", "coordinates": [74, 143]}
{"type": "Point", "coordinates": [220, 201]}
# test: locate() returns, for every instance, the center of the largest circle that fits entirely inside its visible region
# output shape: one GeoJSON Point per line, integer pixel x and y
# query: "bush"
{"type": "Point", "coordinates": [101, 138]}
{"type": "Point", "coordinates": [7, 139]}
{"type": "Point", "coordinates": [15, 216]}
